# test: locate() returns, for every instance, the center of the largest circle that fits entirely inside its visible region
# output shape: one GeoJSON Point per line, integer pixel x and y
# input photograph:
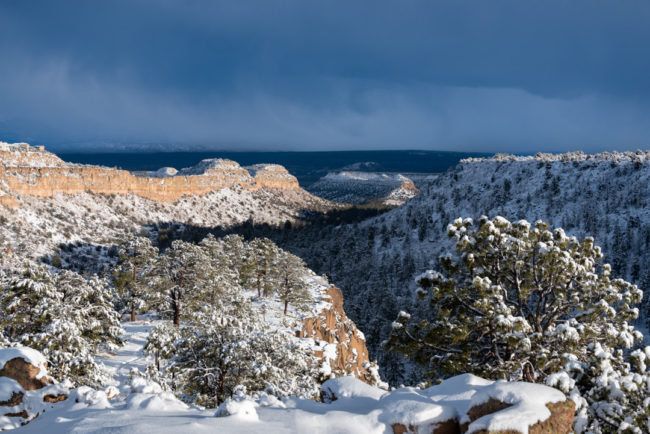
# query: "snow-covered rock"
{"type": "Point", "coordinates": [26, 390]}
{"type": "Point", "coordinates": [25, 365]}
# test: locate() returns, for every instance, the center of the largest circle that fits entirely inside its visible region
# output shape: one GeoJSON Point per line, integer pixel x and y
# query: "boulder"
{"type": "Point", "coordinates": [560, 421]}
{"type": "Point", "coordinates": [26, 374]}
{"type": "Point", "coordinates": [446, 427]}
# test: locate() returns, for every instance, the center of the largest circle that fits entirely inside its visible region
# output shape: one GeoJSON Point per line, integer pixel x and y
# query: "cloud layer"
{"type": "Point", "coordinates": [457, 75]}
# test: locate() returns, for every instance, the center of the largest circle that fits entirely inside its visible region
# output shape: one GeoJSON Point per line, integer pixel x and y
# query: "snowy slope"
{"type": "Point", "coordinates": [606, 196]}
{"type": "Point", "coordinates": [143, 407]}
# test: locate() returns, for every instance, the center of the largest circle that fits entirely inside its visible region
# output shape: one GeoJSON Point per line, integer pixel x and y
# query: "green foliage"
{"type": "Point", "coordinates": [217, 341]}
{"type": "Point", "coordinates": [65, 316]}
{"type": "Point", "coordinates": [529, 303]}
{"type": "Point", "coordinates": [136, 258]}
{"type": "Point", "coordinates": [514, 300]}
{"type": "Point", "coordinates": [291, 287]}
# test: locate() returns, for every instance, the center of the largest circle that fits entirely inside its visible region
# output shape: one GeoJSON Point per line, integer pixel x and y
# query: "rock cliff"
{"type": "Point", "coordinates": [332, 326]}
{"type": "Point", "coordinates": [27, 170]}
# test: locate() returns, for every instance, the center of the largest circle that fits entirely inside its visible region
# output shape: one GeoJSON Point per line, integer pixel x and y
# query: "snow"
{"type": "Point", "coordinates": [141, 408]}
{"type": "Point", "coordinates": [163, 172]}
{"type": "Point", "coordinates": [8, 387]}
{"type": "Point", "coordinates": [528, 406]}
{"type": "Point", "coordinates": [27, 354]}
{"type": "Point", "coordinates": [361, 187]}
{"type": "Point", "coordinates": [351, 387]}
{"type": "Point", "coordinates": [410, 407]}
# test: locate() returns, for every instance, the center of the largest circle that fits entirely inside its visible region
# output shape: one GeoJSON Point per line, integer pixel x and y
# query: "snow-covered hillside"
{"type": "Point", "coordinates": [44, 222]}
{"type": "Point", "coordinates": [606, 196]}
{"type": "Point", "coordinates": [363, 187]}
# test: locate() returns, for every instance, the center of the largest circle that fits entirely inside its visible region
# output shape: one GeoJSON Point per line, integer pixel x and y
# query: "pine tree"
{"type": "Point", "coordinates": [515, 299]}
{"type": "Point", "coordinates": [291, 287]}
{"type": "Point", "coordinates": [136, 256]}
{"type": "Point", "coordinates": [179, 274]}
{"type": "Point", "coordinates": [65, 316]}
{"type": "Point", "coordinates": [527, 303]}
{"type": "Point", "coordinates": [224, 346]}
{"type": "Point", "coordinates": [259, 260]}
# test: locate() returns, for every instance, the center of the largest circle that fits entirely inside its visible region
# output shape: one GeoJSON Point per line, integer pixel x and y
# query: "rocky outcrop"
{"type": "Point", "coordinates": [445, 427]}
{"type": "Point", "coordinates": [25, 388]}
{"type": "Point", "coordinates": [333, 327]}
{"type": "Point", "coordinates": [26, 170]}
{"type": "Point", "coordinates": [25, 373]}
{"type": "Point", "coordinates": [560, 420]}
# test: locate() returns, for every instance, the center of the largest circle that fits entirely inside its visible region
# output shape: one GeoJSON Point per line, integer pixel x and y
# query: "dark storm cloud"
{"type": "Point", "coordinates": [473, 75]}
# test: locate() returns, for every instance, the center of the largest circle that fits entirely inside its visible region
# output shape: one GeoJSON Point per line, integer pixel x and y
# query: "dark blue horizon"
{"type": "Point", "coordinates": [308, 167]}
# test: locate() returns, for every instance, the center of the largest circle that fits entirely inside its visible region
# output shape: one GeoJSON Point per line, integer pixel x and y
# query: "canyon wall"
{"type": "Point", "coordinates": [26, 170]}
{"type": "Point", "coordinates": [334, 327]}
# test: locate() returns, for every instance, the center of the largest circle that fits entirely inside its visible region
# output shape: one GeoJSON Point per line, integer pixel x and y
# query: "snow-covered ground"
{"type": "Point", "coordinates": [142, 407]}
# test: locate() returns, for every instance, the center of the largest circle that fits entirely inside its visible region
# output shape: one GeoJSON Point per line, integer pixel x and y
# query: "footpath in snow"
{"type": "Point", "coordinates": [142, 407]}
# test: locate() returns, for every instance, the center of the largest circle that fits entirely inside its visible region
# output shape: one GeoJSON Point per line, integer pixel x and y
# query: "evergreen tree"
{"type": "Point", "coordinates": [259, 261]}
{"type": "Point", "coordinates": [514, 300]}
{"type": "Point", "coordinates": [291, 287]}
{"type": "Point", "coordinates": [65, 316]}
{"type": "Point", "coordinates": [180, 273]}
{"type": "Point", "coordinates": [227, 345]}
{"type": "Point", "coordinates": [136, 256]}
{"type": "Point", "coordinates": [527, 303]}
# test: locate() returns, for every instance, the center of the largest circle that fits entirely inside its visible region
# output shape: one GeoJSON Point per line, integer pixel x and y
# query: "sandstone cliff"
{"type": "Point", "coordinates": [26, 170]}
{"type": "Point", "coordinates": [332, 326]}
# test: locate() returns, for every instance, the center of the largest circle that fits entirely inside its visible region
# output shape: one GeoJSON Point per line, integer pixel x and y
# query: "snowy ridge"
{"type": "Point", "coordinates": [41, 226]}
{"type": "Point", "coordinates": [362, 187]}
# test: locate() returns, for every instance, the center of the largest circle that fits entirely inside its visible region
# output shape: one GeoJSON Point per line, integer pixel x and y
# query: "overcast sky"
{"type": "Point", "coordinates": [488, 75]}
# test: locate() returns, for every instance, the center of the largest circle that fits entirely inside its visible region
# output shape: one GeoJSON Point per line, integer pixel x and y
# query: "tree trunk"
{"type": "Point", "coordinates": [176, 307]}
{"type": "Point", "coordinates": [135, 270]}
{"type": "Point", "coordinates": [177, 315]}
{"type": "Point", "coordinates": [286, 304]}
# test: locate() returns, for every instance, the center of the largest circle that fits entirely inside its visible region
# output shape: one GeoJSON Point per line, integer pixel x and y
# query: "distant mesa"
{"type": "Point", "coordinates": [364, 166]}
{"type": "Point", "coordinates": [365, 187]}
{"type": "Point", "coordinates": [31, 170]}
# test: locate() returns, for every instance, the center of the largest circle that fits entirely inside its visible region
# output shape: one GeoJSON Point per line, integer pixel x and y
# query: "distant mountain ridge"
{"type": "Point", "coordinates": [364, 187]}
{"type": "Point", "coordinates": [307, 167]}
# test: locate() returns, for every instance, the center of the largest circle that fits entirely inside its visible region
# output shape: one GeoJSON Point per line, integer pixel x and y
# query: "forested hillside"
{"type": "Point", "coordinates": [374, 262]}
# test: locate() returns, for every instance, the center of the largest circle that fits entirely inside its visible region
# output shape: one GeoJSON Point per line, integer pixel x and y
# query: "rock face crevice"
{"type": "Point", "coordinates": [26, 170]}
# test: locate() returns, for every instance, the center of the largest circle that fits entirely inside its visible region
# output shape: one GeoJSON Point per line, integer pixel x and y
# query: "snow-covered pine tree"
{"type": "Point", "coordinates": [225, 345]}
{"type": "Point", "coordinates": [527, 303]}
{"type": "Point", "coordinates": [514, 300]}
{"type": "Point", "coordinates": [160, 342]}
{"type": "Point", "coordinates": [291, 288]}
{"type": "Point", "coordinates": [136, 257]}
{"type": "Point", "coordinates": [220, 274]}
{"type": "Point", "coordinates": [179, 273]}
{"type": "Point", "coordinates": [259, 260]}
{"type": "Point", "coordinates": [65, 316]}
